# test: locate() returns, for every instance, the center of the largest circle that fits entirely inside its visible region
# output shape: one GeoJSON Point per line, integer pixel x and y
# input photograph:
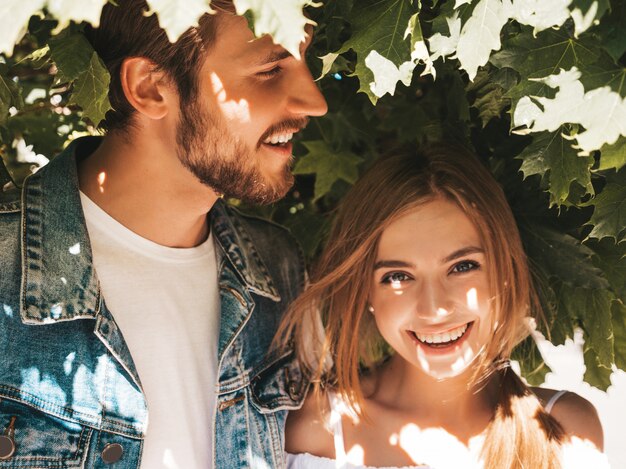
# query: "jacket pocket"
{"type": "Point", "coordinates": [278, 385]}
{"type": "Point", "coordinates": [30, 438]}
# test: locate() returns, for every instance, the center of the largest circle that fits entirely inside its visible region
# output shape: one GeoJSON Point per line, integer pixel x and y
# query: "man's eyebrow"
{"type": "Point", "coordinates": [463, 252]}
{"type": "Point", "coordinates": [386, 264]}
{"type": "Point", "coordinates": [273, 56]}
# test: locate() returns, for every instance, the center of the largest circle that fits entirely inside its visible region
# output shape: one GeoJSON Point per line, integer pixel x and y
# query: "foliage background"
{"type": "Point", "coordinates": [536, 88]}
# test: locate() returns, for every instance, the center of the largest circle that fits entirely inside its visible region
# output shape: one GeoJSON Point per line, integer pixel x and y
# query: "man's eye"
{"type": "Point", "coordinates": [395, 278]}
{"type": "Point", "coordinates": [464, 266]}
{"type": "Point", "coordinates": [270, 73]}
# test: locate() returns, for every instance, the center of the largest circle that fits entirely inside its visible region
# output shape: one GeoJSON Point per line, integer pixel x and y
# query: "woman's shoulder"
{"type": "Point", "coordinates": [307, 429]}
{"type": "Point", "coordinates": [578, 417]}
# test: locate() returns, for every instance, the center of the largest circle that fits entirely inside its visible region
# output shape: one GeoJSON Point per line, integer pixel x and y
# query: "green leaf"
{"type": "Point", "coordinates": [91, 90]}
{"type": "Point", "coordinates": [71, 53]}
{"type": "Point", "coordinates": [14, 16]}
{"type": "Point", "coordinates": [488, 96]}
{"type": "Point", "coordinates": [328, 166]}
{"type": "Point", "coordinates": [9, 94]}
{"type": "Point", "coordinates": [585, 13]}
{"type": "Point", "coordinates": [612, 32]}
{"type": "Point", "coordinates": [609, 214]}
{"type": "Point", "coordinates": [176, 17]}
{"type": "Point", "coordinates": [550, 153]}
{"type": "Point", "coordinates": [596, 374]}
{"type": "Point", "coordinates": [532, 366]}
{"type": "Point", "coordinates": [378, 39]}
{"type": "Point", "coordinates": [611, 259]}
{"type": "Point", "coordinates": [592, 310]}
{"type": "Point", "coordinates": [561, 256]}
{"type": "Point", "coordinates": [613, 156]}
{"type": "Point", "coordinates": [618, 315]}
{"type": "Point", "coordinates": [284, 20]}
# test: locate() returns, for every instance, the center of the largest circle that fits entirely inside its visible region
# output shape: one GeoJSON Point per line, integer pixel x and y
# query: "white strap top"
{"type": "Point", "coordinates": [309, 461]}
{"type": "Point", "coordinates": [339, 408]}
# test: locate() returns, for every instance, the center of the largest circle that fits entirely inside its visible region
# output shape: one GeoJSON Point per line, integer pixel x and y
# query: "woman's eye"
{"type": "Point", "coordinates": [395, 278]}
{"type": "Point", "coordinates": [464, 266]}
{"type": "Point", "coordinates": [270, 73]}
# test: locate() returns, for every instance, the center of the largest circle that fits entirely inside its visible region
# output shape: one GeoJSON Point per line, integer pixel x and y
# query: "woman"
{"type": "Point", "coordinates": [425, 254]}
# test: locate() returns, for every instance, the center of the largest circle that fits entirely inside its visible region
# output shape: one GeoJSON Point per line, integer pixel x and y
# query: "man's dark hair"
{"type": "Point", "coordinates": [125, 31]}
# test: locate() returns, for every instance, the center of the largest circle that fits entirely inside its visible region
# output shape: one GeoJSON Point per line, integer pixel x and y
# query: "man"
{"type": "Point", "coordinates": [137, 308]}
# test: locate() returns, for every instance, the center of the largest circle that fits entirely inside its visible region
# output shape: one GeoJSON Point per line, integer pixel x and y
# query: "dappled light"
{"type": "Point", "coordinates": [428, 447]}
{"type": "Point", "coordinates": [102, 177]}
{"type": "Point", "coordinates": [68, 363]}
{"type": "Point", "coordinates": [356, 455]}
{"type": "Point", "coordinates": [8, 311]}
{"type": "Point", "coordinates": [232, 109]}
{"type": "Point", "coordinates": [75, 249]}
{"type": "Point", "coordinates": [472, 299]}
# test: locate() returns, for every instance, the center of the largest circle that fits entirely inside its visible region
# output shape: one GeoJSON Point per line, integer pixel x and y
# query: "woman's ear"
{"type": "Point", "coordinates": [146, 88]}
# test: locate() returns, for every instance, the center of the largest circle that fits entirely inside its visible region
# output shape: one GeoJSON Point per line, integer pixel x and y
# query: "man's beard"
{"type": "Point", "coordinates": [208, 149]}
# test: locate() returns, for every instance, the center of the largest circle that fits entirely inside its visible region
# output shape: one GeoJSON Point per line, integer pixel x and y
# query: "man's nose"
{"type": "Point", "coordinates": [305, 97]}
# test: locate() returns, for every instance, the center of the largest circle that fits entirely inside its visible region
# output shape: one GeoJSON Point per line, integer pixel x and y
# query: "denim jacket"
{"type": "Point", "coordinates": [70, 395]}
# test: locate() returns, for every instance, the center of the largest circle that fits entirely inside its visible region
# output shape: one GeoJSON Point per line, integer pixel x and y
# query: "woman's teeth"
{"type": "Point", "coordinates": [444, 337]}
{"type": "Point", "coordinates": [278, 139]}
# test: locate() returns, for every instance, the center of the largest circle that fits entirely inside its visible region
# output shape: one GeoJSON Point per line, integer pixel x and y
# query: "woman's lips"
{"type": "Point", "coordinates": [441, 347]}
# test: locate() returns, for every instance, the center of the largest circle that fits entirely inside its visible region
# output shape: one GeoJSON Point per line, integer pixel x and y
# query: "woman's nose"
{"type": "Point", "coordinates": [431, 301]}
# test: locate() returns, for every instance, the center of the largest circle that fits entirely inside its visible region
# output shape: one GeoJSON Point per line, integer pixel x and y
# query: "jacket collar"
{"type": "Point", "coordinates": [235, 242]}
{"type": "Point", "coordinates": [59, 282]}
{"type": "Point", "coordinates": [58, 279]}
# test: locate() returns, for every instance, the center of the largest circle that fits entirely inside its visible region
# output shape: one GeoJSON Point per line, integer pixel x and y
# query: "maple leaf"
{"type": "Point", "coordinates": [328, 166]}
{"type": "Point", "coordinates": [9, 94]}
{"type": "Point", "coordinates": [613, 156]}
{"type": "Point", "coordinates": [176, 17]}
{"type": "Point", "coordinates": [609, 214]}
{"type": "Point", "coordinates": [14, 16]}
{"type": "Point", "coordinates": [618, 316]}
{"type": "Point", "coordinates": [283, 20]}
{"type": "Point", "coordinates": [595, 374]}
{"type": "Point", "coordinates": [91, 90]}
{"type": "Point", "coordinates": [77, 10]}
{"type": "Point", "coordinates": [378, 39]}
{"type": "Point", "coordinates": [71, 53]}
{"type": "Point", "coordinates": [551, 153]}
{"type": "Point", "coordinates": [601, 111]}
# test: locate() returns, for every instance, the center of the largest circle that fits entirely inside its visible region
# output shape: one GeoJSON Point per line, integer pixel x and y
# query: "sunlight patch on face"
{"type": "Point", "coordinates": [472, 299]}
{"type": "Point", "coordinates": [396, 284]}
{"type": "Point", "coordinates": [233, 110]}
{"type": "Point", "coordinates": [423, 360]}
{"type": "Point", "coordinates": [441, 312]}
{"type": "Point", "coordinates": [102, 176]}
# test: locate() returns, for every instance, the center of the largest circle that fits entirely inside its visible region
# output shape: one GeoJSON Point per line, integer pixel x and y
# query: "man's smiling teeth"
{"type": "Point", "coordinates": [443, 337]}
{"type": "Point", "coordinates": [276, 139]}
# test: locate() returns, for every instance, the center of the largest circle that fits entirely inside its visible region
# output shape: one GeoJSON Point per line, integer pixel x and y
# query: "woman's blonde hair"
{"type": "Point", "coordinates": [521, 433]}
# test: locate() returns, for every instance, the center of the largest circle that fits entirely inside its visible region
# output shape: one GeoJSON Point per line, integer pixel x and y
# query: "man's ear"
{"type": "Point", "coordinates": [146, 89]}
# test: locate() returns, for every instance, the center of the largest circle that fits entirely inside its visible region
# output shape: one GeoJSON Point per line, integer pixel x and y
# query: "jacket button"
{"type": "Point", "coordinates": [112, 453]}
{"type": "Point", "coordinates": [293, 388]}
{"type": "Point", "coordinates": [7, 447]}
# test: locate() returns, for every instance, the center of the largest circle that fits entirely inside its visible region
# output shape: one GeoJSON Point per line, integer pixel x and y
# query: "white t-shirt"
{"type": "Point", "coordinates": [166, 303]}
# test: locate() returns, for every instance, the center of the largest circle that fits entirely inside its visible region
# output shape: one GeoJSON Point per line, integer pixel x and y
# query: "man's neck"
{"type": "Point", "coordinates": [143, 185]}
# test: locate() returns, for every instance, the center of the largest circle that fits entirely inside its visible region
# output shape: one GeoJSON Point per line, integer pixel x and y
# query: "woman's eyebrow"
{"type": "Point", "coordinates": [385, 264]}
{"type": "Point", "coordinates": [463, 252]}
